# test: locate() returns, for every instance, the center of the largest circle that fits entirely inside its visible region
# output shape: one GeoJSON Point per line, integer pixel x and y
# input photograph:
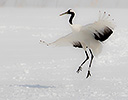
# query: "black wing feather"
{"type": "Point", "coordinates": [102, 36]}
{"type": "Point", "coordinates": [77, 44]}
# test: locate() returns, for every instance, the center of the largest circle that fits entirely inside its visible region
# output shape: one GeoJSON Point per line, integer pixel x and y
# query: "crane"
{"type": "Point", "coordinates": [88, 37]}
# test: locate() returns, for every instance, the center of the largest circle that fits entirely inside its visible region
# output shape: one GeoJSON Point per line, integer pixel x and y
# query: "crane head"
{"type": "Point", "coordinates": [70, 11]}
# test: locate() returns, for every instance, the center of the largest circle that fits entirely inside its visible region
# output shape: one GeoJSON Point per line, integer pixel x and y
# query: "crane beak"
{"type": "Point", "coordinates": [63, 13]}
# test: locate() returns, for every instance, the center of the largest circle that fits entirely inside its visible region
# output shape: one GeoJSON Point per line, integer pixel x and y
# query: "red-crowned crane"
{"type": "Point", "coordinates": [88, 37]}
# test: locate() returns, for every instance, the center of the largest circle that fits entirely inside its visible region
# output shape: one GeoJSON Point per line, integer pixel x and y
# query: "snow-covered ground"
{"type": "Point", "coordinates": [32, 71]}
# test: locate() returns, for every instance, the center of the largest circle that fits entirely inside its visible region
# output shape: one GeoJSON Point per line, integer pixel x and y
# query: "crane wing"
{"type": "Point", "coordinates": [68, 40]}
{"type": "Point", "coordinates": [102, 28]}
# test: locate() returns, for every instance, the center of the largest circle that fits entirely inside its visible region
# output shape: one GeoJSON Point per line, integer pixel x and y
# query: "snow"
{"type": "Point", "coordinates": [32, 71]}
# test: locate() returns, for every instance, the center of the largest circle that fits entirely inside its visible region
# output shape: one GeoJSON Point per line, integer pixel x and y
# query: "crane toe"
{"type": "Point", "coordinates": [88, 74]}
{"type": "Point", "coordinates": [79, 69]}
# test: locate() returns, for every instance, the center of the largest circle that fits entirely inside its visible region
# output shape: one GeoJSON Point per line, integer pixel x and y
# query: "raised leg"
{"type": "Point", "coordinates": [80, 67]}
{"type": "Point", "coordinates": [89, 74]}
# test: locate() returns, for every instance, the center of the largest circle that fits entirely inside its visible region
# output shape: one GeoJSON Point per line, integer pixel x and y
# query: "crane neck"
{"type": "Point", "coordinates": [71, 17]}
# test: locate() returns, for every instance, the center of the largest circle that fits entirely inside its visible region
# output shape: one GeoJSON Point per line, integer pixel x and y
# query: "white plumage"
{"type": "Point", "coordinates": [89, 36]}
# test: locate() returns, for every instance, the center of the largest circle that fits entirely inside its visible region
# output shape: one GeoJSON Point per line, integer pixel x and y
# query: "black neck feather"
{"type": "Point", "coordinates": [71, 17]}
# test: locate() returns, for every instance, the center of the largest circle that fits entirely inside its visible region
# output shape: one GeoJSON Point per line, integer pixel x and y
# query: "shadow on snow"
{"type": "Point", "coordinates": [35, 86]}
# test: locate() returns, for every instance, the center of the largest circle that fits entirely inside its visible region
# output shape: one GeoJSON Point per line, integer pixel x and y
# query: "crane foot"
{"type": "Point", "coordinates": [88, 74]}
{"type": "Point", "coordinates": [79, 69]}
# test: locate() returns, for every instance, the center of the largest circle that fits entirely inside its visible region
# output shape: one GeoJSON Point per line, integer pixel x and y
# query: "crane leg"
{"type": "Point", "coordinates": [80, 67]}
{"type": "Point", "coordinates": [89, 74]}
